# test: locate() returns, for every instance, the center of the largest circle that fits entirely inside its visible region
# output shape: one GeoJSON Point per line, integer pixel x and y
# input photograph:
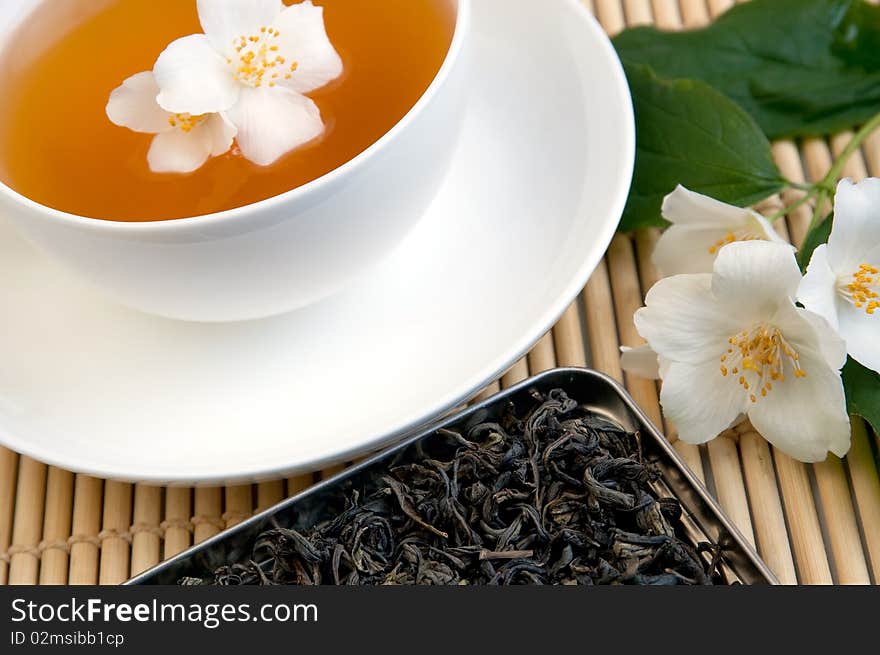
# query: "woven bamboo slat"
{"type": "Point", "coordinates": [298, 483]}
{"type": "Point", "coordinates": [866, 488]}
{"type": "Point", "coordinates": [518, 373]}
{"type": "Point", "coordinates": [488, 392]}
{"type": "Point", "coordinates": [768, 519]}
{"type": "Point", "coordinates": [568, 339]}
{"type": "Point", "coordinates": [601, 325]}
{"type": "Point", "coordinates": [542, 357]}
{"type": "Point", "coordinates": [88, 497]}
{"type": "Point", "coordinates": [812, 524]}
{"type": "Point", "coordinates": [146, 545]}
{"type": "Point", "coordinates": [177, 525]}
{"type": "Point", "coordinates": [8, 478]}
{"type": "Point", "coordinates": [637, 12]}
{"type": "Point", "coordinates": [27, 526]}
{"type": "Point", "coordinates": [208, 517]}
{"type": "Point", "coordinates": [269, 493]}
{"type": "Point", "coordinates": [239, 504]}
{"type": "Point", "coordinates": [57, 520]}
{"type": "Point", "coordinates": [115, 537]}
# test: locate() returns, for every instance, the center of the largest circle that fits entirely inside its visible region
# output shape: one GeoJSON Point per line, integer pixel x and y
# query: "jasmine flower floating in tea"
{"type": "Point", "coordinates": [244, 78]}
{"type": "Point", "coordinates": [183, 142]}
{"type": "Point", "coordinates": [200, 149]}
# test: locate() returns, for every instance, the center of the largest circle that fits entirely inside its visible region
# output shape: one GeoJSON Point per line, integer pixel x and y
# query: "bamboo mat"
{"type": "Point", "coordinates": [812, 524]}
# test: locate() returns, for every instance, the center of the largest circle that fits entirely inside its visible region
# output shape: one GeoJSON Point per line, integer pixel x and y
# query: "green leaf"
{"type": "Point", "coordinates": [688, 133]}
{"type": "Point", "coordinates": [799, 67]}
{"type": "Point", "coordinates": [815, 238]}
{"type": "Point", "coordinates": [862, 387]}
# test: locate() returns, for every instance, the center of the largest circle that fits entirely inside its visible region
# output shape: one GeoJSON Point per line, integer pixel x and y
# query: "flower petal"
{"type": "Point", "coordinates": [133, 105]}
{"type": "Point", "coordinates": [641, 362]}
{"type": "Point", "coordinates": [764, 228]}
{"type": "Point", "coordinates": [756, 276]}
{"type": "Point", "coordinates": [805, 330]}
{"type": "Point", "coordinates": [862, 334]}
{"type": "Point", "coordinates": [194, 78]}
{"type": "Point", "coordinates": [805, 417]}
{"type": "Point", "coordinates": [818, 289]}
{"type": "Point", "coordinates": [179, 152]}
{"type": "Point", "coordinates": [700, 401]}
{"type": "Point", "coordinates": [664, 364]}
{"type": "Point", "coordinates": [686, 207]}
{"type": "Point", "coordinates": [686, 249]}
{"type": "Point", "coordinates": [682, 320]}
{"type": "Point", "coordinates": [221, 133]}
{"type": "Point", "coordinates": [224, 21]}
{"type": "Point", "coordinates": [700, 225]}
{"type": "Point", "coordinates": [872, 257]}
{"type": "Point", "coordinates": [304, 40]}
{"type": "Point", "coordinates": [274, 121]}
{"type": "Point", "coordinates": [856, 228]}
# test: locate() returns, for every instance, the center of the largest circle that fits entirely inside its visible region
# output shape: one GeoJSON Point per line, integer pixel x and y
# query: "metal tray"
{"type": "Point", "coordinates": [703, 518]}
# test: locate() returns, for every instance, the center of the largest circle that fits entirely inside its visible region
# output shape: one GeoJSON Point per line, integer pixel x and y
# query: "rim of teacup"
{"type": "Point", "coordinates": [298, 194]}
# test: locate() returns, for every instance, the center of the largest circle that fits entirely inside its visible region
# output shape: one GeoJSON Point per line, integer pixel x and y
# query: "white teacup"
{"type": "Point", "coordinates": [273, 256]}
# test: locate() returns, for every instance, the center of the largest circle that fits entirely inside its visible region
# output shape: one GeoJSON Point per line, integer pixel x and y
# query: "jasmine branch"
{"type": "Point", "coordinates": [824, 189]}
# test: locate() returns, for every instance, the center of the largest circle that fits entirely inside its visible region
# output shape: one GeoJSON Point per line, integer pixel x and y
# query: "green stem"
{"type": "Point", "coordinates": [800, 186]}
{"type": "Point", "coordinates": [785, 211]}
{"type": "Point", "coordinates": [825, 188]}
{"type": "Point", "coordinates": [821, 197]}
{"type": "Point", "coordinates": [830, 180]}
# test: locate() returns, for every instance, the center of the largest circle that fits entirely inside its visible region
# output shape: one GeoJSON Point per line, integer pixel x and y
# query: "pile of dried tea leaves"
{"type": "Point", "coordinates": [560, 496]}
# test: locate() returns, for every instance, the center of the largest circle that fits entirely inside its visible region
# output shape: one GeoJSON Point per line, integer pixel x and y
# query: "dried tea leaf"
{"type": "Point", "coordinates": [557, 496]}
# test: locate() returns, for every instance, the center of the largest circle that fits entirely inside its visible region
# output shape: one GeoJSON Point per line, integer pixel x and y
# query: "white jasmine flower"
{"type": "Point", "coordinates": [734, 344]}
{"type": "Point", "coordinates": [183, 142]}
{"type": "Point", "coordinates": [701, 226]}
{"type": "Point", "coordinates": [843, 280]}
{"type": "Point", "coordinates": [254, 62]}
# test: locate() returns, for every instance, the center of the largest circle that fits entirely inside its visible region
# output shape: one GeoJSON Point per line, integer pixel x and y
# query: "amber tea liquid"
{"type": "Point", "coordinates": [58, 147]}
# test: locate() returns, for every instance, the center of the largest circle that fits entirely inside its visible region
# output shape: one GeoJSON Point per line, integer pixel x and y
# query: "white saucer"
{"type": "Point", "coordinates": [531, 203]}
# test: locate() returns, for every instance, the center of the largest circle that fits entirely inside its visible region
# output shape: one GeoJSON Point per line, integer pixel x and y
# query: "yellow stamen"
{"type": "Point", "coordinates": [762, 354]}
{"type": "Point", "coordinates": [186, 122]}
{"type": "Point", "coordinates": [731, 237]}
{"type": "Point", "coordinates": [862, 289]}
{"type": "Point", "coordinates": [257, 57]}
